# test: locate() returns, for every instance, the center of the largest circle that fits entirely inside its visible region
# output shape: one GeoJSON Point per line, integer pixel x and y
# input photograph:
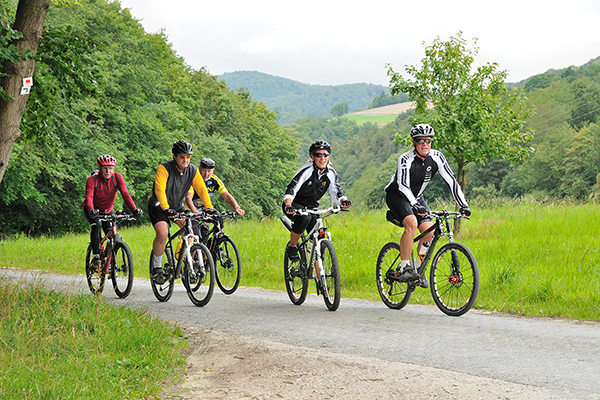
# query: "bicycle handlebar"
{"type": "Point", "coordinates": [447, 214]}
{"type": "Point", "coordinates": [119, 216]}
{"type": "Point", "coordinates": [316, 211]}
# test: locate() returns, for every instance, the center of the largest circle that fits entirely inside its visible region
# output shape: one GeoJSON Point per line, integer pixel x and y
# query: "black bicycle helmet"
{"type": "Point", "coordinates": [182, 147]}
{"type": "Point", "coordinates": [207, 163]}
{"type": "Point", "coordinates": [421, 130]}
{"type": "Point", "coordinates": [319, 145]}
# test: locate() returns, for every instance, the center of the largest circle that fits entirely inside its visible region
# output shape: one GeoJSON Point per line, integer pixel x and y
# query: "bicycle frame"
{"type": "Point", "coordinates": [311, 243]}
{"type": "Point", "coordinates": [186, 245]}
{"type": "Point", "coordinates": [441, 227]}
{"type": "Point", "coordinates": [107, 242]}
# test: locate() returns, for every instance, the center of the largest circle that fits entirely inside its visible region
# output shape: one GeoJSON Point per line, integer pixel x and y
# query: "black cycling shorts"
{"type": "Point", "coordinates": [156, 214]}
{"type": "Point", "coordinates": [300, 223]}
{"type": "Point", "coordinates": [401, 208]}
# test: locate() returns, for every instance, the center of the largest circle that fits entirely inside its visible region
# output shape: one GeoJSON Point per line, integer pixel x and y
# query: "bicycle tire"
{"type": "Point", "coordinates": [163, 292]}
{"type": "Point", "coordinates": [331, 288]}
{"type": "Point", "coordinates": [121, 269]}
{"type": "Point", "coordinates": [454, 292]}
{"type": "Point", "coordinates": [394, 294]}
{"type": "Point", "coordinates": [228, 266]}
{"type": "Point", "coordinates": [199, 279]}
{"type": "Point", "coordinates": [295, 274]}
{"type": "Point", "coordinates": [95, 279]}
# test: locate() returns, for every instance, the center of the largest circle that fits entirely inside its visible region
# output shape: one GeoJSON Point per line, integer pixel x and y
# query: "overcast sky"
{"type": "Point", "coordinates": [333, 42]}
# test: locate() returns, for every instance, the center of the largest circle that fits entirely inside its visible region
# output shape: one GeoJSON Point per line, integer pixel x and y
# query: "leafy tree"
{"type": "Point", "coordinates": [476, 118]}
{"type": "Point", "coordinates": [340, 109]}
{"type": "Point", "coordinates": [587, 106]}
{"type": "Point", "coordinates": [23, 41]}
{"type": "Point", "coordinates": [384, 99]}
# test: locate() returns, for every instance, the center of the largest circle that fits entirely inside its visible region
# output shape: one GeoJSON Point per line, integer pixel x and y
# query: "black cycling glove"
{"type": "Point", "coordinates": [465, 211]}
{"type": "Point", "coordinates": [289, 210]}
{"type": "Point", "coordinates": [169, 212]}
{"type": "Point", "coordinates": [137, 212]}
{"type": "Point", "coordinates": [94, 213]}
{"type": "Point", "coordinates": [419, 209]}
{"type": "Point", "coordinates": [346, 203]}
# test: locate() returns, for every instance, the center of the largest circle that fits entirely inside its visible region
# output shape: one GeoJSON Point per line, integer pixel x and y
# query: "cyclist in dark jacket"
{"type": "Point", "coordinates": [404, 193]}
{"type": "Point", "coordinates": [308, 185]}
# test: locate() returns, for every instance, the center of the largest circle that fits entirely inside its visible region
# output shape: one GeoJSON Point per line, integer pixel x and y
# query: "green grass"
{"type": "Point", "coordinates": [534, 259]}
{"type": "Point", "coordinates": [360, 119]}
{"type": "Point", "coordinates": [57, 346]}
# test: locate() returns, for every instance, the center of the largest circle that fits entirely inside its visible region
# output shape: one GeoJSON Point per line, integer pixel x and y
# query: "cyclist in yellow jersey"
{"type": "Point", "coordinates": [171, 184]}
{"type": "Point", "coordinates": [213, 184]}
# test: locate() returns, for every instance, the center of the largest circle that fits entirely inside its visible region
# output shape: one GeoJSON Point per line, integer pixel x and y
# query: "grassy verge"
{"type": "Point", "coordinates": [534, 259]}
{"type": "Point", "coordinates": [56, 346]}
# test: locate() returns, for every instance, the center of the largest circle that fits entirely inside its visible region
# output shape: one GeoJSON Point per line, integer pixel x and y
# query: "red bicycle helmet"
{"type": "Point", "coordinates": [106, 159]}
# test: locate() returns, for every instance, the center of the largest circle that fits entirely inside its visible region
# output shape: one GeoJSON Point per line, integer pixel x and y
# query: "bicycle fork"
{"type": "Point", "coordinates": [319, 274]}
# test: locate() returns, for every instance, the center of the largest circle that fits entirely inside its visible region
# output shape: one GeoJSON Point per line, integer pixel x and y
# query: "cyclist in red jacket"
{"type": "Point", "coordinates": [100, 194]}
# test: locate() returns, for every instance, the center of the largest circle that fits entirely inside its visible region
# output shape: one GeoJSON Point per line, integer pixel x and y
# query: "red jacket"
{"type": "Point", "coordinates": [101, 193]}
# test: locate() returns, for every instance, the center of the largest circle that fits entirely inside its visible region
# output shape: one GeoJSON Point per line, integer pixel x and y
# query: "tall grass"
{"type": "Point", "coordinates": [56, 346]}
{"type": "Point", "coordinates": [539, 259]}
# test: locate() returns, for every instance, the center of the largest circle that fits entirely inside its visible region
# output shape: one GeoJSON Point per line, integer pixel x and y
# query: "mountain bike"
{"type": "Point", "coordinates": [224, 251]}
{"type": "Point", "coordinates": [315, 249]}
{"type": "Point", "coordinates": [191, 262]}
{"type": "Point", "coordinates": [115, 259]}
{"type": "Point", "coordinates": [454, 272]}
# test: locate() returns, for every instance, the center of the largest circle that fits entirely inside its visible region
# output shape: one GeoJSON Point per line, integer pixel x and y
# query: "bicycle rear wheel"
{"type": "Point", "coordinates": [95, 276]}
{"type": "Point", "coordinates": [331, 287]}
{"type": "Point", "coordinates": [228, 267]}
{"type": "Point", "coordinates": [454, 279]}
{"type": "Point", "coordinates": [121, 270]}
{"type": "Point", "coordinates": [163, 291]}
{"type": "Point", "coordinates": [199, 279]}
{"type": "Point", "coordinates": [394, 294]}
{"type": "Point", "coordinates": [295, 274]}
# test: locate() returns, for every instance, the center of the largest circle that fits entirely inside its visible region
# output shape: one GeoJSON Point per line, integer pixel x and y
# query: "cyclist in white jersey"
{"type": "Point", "coordinates": [404, 193]}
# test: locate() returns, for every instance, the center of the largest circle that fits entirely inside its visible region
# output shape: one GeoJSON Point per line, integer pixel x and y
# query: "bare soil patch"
{"type": "Point", "coordinates": [221, 365]}
{"type": "Point", "coordinates": [386, 110]}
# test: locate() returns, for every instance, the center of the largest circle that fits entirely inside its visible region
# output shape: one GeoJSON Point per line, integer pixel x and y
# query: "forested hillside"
{"type": "Point", "coordinates": [104, 85]}
{"type": "Point", "coordinates": [294, 100]}
{"type": "Point", "coordinates": [565, 163]}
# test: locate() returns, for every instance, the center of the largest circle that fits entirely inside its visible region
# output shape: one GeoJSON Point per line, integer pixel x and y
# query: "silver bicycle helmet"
{"type": "Point", "coordinates": [422, 130]}
{"type": "Point", "coordinates": [207, 163]}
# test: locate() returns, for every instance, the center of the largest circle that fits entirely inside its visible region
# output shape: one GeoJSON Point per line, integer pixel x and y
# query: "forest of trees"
{"type": "Point", "coordinates": [294, 100]}
{"type": "Point", "coordinates": [132, 96]}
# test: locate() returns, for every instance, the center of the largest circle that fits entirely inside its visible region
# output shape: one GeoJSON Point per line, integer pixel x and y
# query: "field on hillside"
{"type": "Point", "coordinates": [529, 262]}
{"type": "Point", "coordinates": [380, 115]}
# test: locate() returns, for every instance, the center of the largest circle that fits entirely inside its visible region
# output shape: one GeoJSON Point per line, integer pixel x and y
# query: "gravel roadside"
{"type": "Point", "coordinates": [221, 365]}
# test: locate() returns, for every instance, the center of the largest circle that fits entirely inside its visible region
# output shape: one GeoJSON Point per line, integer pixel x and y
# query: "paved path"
{"type": "Point", "coordinates": [558, 355]}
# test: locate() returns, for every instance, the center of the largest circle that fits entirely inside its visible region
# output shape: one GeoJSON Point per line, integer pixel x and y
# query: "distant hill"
{"type": "Point", "coordinates": [294, 100]}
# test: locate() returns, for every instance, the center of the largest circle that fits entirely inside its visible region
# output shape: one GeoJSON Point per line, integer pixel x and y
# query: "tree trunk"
{"type": "Point", "coordinates": [29, 20]}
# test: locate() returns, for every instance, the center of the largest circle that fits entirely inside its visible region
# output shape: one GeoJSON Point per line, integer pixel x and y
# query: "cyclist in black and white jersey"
{"type": "Point", "coordinates": [404, 193]}
{"type": "Point", "coordinates": [308, 185]}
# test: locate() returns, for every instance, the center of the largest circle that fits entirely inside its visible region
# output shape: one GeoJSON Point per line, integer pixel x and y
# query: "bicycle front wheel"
{"type": "Point", "coordinates": [331, 287]}
{"type": "Point", "coordinates": [228, 267]}
{"type": "Point", "coordinates": [393, 293]}
{"type": "Point", "coordinates": [121, 270]}
{"type": "Point", "coordinates": [454, 279]}
{"type": "Point", "coordinates": [199, 279]}
{"type": "Point", "coordinates": [295, 274]}
{"type": "Point", "coordinates": [163, 291]}
{"type": "Point", "coordinates": [95, 276]}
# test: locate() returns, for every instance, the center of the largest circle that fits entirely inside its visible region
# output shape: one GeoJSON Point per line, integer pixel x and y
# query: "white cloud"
{"type": "Point", "coordinates": [336, 42]}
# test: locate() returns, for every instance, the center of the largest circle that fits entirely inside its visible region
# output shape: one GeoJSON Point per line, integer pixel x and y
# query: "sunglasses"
{"type": "Point", "coordinates": [319, 155]}
{"type": "Point", "coordinates": [184, 157]}
{"type": "Point", "coordinates": [423, 141]}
